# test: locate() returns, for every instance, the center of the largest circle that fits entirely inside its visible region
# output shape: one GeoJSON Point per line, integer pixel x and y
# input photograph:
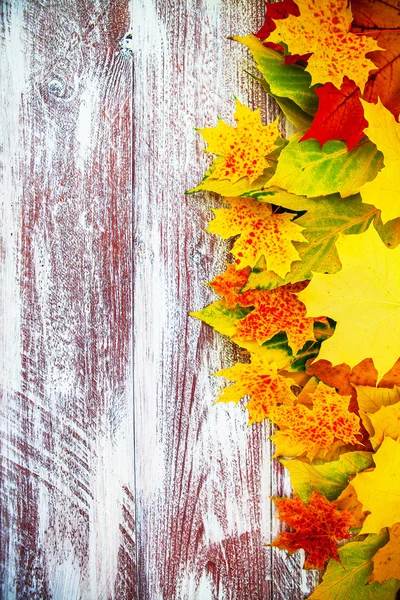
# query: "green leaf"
{"type": "Point", "coordinates": [331, 478]}
{"type": "Point", "coordinates": [306, 169]}
{"type": "Point", "coordinates": [348, 580]}
{"type": "Point", "coordinates": [324, 220]}
{"type": "Point", "coordinates": [222, 318]}
{"type": "Point", "coordinates": [285, 81]}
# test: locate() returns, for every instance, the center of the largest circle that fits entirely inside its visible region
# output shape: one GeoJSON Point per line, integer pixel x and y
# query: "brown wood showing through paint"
{"type": "Point", "coordinates": [119, 477]}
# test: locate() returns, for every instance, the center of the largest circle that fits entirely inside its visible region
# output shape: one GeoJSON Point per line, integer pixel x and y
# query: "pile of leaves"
{"type": "Point", "coordinates": [312, 293]}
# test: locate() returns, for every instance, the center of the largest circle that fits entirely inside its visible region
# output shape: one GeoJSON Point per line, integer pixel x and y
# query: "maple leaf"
{"type": "Point", "coordinates": [279, 10]}
{"type": "Point", "coordinates": [261, 233]}
{"type": "Point", "coordinates": [290, 85]}
{"type": "Point", "coordinates": [324, 220]}
{"type": "Point", "coordinates": [340, 115]}
{"type": "Point", "coordinates": [244, 148]}
{"type": "Point", "coordinates": [230, 283]}
{"type": "Point", "coordinates": [370, 401]}
{"type": "Point", "coordinates": [312, 432]}
{"type": "Point", "coordinates": [348, 579]}
{"type": "Point", "coordinates": [386, 423]}
{"type": "Point", "coordinates": [323, 29]}
{"type": "Point", "coordinates": [384, 190]}
{"type": "Point", "coordinates": [363, 299]}
{"type": "Point", "coordinates": [307, 169]}
{"type": "Point", "coordinates": [387, 559]}
{"type": "Point", "coordinates": [261, 381]}
{"type": "Point", "coordinates": [381, 21]}
{"type": "Point", "coordinates": [379, 490]}
{"type": "Point", "coordinates": [276, 311]}
{"type": "Point", "coordinates": [318, 526]}
{"type": "Point", "coordinates": [330, 478]}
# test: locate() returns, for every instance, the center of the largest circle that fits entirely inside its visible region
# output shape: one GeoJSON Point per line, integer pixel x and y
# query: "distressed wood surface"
{"type": "Point", "coordinates": [119, 478]}
{"type": "Point", "coordinates": [203, 479]}
{"type": "Point", "coordinates": [67, 467]}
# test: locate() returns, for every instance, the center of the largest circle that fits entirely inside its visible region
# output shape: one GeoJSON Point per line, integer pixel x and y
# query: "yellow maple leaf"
{"type": "Point", "coordinates": [262, 233]}
{"type": "Point", "coordinates": [259, 380]}
{"type": "Point", "coordinates": [364, 299]}
{"type": "Point", "coordinates": [386, 423]}
{"type": "Point", "coordinates": [312, 432]}
{"type": "Point", "coordinates": [379, 489]}
{"type": "Point", "coordinates": [323, 29]}
{"type": "Point", "coordinates": [244, 148]}
{"type": "Point", "coordinates": [384, 131]}
{"type": "Point", "coordinates": [387, 559]}
{"type": "Point", "coordinates": [371, 399]}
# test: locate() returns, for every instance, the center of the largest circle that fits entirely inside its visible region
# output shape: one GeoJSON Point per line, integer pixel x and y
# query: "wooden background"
{"type": "Point", "coordinates": [119, 478]}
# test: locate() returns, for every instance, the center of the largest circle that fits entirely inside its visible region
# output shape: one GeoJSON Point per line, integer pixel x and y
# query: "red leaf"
{"type": "Point", "coordinates": [380, 20]}
{"type": "Point", "coordinates": [318, 526]}
{"type": "Point", "coordinates": [340, 115]}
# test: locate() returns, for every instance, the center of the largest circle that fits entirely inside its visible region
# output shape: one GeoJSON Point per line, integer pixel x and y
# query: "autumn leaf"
{"type": "Point", "coordinates": [363, 299]}
{"type": "Point", "coordinates": [330, 478]}
{"type": "Point", "coordinates": [307, 169]}
{"type": "Point", "coordinates": [384, 190]}
{"type": "Point", "coordinates": [244, 148]}
{"type": "Point", "coordinates": [379, 489]}
{"type": "Point", "coordinates": [323, 29]}
{"type": "Point", "coordinates": [387, 559]}
{"type": "Point", "coordinates": [348, 500]}
{"type": "Point", "coordinates": [348, 579]}
{"type": "Point", "coordinates": [313, 432]}
{"type": "Point", "coordinates": [386, 422]}
{"type": "Point", "coordinates": [279, 10]}
{"type": "Point", "coordinates": [324, 220]}
{"type": "Point", "coordinates": [381, 21]}
{"type": "Point", "coordinates": [340, 115]}
{"type": "Point", "coordinates": [276, 311]}
{"type": "Point", "coordinates": [230, 283]}
{"type": "Point", "coordinates": [261, 233]}
{"type": "Point", "coordinates": [290, 85]}
{"type": "Point", "coordinates": [371, 399]}
{"type": "Point", "coordinates": [259, 380]}
{"type": "Point", "coordinates": [318, 526]}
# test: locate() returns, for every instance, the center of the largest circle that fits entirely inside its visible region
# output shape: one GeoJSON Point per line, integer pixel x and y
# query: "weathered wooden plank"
{"type": "Point", "coordinates": [66, 287]}
{"type": "Point", "coordinates": [203, 478]}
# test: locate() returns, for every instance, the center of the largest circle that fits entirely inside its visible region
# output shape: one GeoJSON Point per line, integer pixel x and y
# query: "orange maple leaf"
{"type": "Point", "coordinates": [274, 311]}
{"type": "Point", "coordinates": [261, 381]}
{"type": "Point", "coordinates": [313, 432]}
{"type": "Point", "coordinates": [318, 526]}
{"type": "Point", "coordinates": [243, 148]}
{"type": "Point", "coordinates": [262, 233]}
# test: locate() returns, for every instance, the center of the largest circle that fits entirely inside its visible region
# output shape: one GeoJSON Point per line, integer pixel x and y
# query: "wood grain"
{"type": "Point", "coordinates": [203, 479]}
{"type": "Point", "coordinates": [67, 444]}
{"type": "Point", "coordinates": [119, 478]}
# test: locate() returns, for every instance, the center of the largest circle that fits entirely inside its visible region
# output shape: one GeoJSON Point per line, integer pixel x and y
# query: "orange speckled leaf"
{"type": "Point", "coordinates": [275, 311]}
{"type": "Point", "coordinates": [259, 380]}
{"type": "Point", "coordinates": [262, 233]}
{"type": "Point", "coordinates": [318, 526]}
{"type": "Point", "coordinates": [244, 148]}
{"type": "Point", "coordinates": [387, 559]}
{"type": "Point", "coordinates": [230, 283]}
{"type": "Point", "coordinates": [312, 432]}
{"type": "Point", "coordinates": [323, 29]}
